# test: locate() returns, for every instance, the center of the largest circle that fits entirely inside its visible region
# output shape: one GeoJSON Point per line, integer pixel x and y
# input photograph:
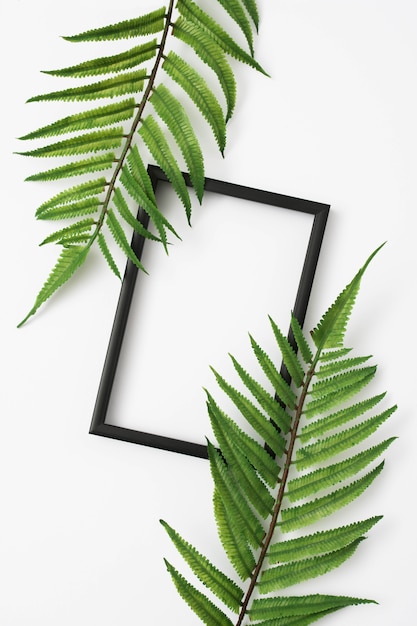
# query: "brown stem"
{"type": "Point", "coordinates": [278, 503]}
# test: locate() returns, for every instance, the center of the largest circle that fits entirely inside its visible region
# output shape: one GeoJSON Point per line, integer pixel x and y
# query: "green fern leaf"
{"type": "Point", "coordinates": [204, 99]}
{"type": "Point", "coordinates": [173, 114]}
{"type": "Point", "coordinates": [327, 402]}
{"type": "Point", "coordinates": [320, 542]}
{"type": "Point", "coordinates": [222, 586]}
{"type": "Point", "coordinates": [290, 358]}
{"type": "Point", "coordinates": [300, 340]}
{"type": "Point", "coordinates": [250, 448]}
{"type": "Point", "coordinates": [71, 210]}
{"type": "Point", "coordinates": [121, 84]}
{"type": "Point", "coordinates": [204, 608]}
{"type": "Point", "coordinates": [121, 205]}
{"type": "Point", "coordinates": [120, 238]}
{"type": "Point", "coordinates": [212, 54]}
{"type": "Point", "coordinates": [148, 24]}
{"type": "Point", "coordinates": [332, 384]}
{"type": "Point", "coordinates": [296, 606]}
{"type": "Point", "coordinates": [290, 574]}
{"type": "Point", "coordinates": [331, 329]}
{"type": "Point", "coordinates": [83, 227]}
{"type": "Point", "coordinates": [73, 194]}
{"type": "Point", "coordinates": [236, 12]}
{"type": "Point", "coordinates": [234, 543]}
{"type": "Point", "coordinates": [256, 418]}
{"type": "Point", "coordinates": [330, 422]}
{"type": "Point", "coordinates": [344, 364]}
{"type": "Point", "coordinates": [326, 448]}
{"type": "Point", "coordinates": [194, 14]}
{"type": "Point", "coordinates": [295, 517]}
{"type": "Point", "coordinates": [234, 500]}
{"type": "Point", "coordinates": [252, 9]}
{"type": "Point", "coordinates": [154, 138]}
{"type": "Point", "coordinates": [328, 476]}
{"type": "Point", "coordinates": [94, 118]}
{"type": "Point", "coordinates": [332, 355]}
{"type": "Point", "coordinates": [265, 399]}
{"type": "Point", "coordinates": [88, 142]}
{"type": "Point", "coordinates": [108, 255]}
{"type": "Point", "coordinates": [68, 262]}
{"type": "Point", "coordinates": [112, 64]}
{"type": "Point", "coordinates": [86, 166]}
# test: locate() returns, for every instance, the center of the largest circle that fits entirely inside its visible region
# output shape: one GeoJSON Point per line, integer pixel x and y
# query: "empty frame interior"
{"type": "Point", "coordinates": [248, 254]}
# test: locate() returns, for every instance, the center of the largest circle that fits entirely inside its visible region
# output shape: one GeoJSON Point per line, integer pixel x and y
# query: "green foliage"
{"type": "Point", "coordinates": [140, 114]}
{"type": "Point", "coordinates": [263, 501]}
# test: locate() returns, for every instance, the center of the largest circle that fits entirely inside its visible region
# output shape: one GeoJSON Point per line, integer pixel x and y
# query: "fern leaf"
{"type": "Point", "coordinates": [88, 142]}
{"type": "Point", "coordinates": [81, 227]}
{"type": "Point", "coordinates": [108, 255]}
{"type": "Point", "coordinates": [265, 399]}
{"type": "Point", "coordinates": [194, 14]}
{"type": "Point", "coordinates": [120, 238]}
{"type": "Point", "coordinates": [321, 426]}
{"type": "Point", "coordinates": [320, 542]}
{"type": "Point", "coordinates": [331, 329]}
{"type": "Point", "coordinates": [324, 449]}
{"type": "Point", "coordinates": [234, 543]}
{"type": "Point", "coordinates": [196, 87]}
{"type": "Point", "coordinates": [313, 482]}
{"type": "Point", "coordinates": [327, 402]}
{"type": "Point", "coordinates": [121, 205]}
{"type": "Point", "coordinates": [343, 364]}
{"type": "Point", "coordinates": [112, 64]}
{"type": "Point", "coordinates": [243, 470]}
{"type": "Point", "coordinates": [290, 358]}
{"type": "Point", "coordinates": [173, 114]}
{"type": "Point", "coordinates": [256, 454]}
{"type": "Point", "coordinates": [73, 194]}
{"type": "Point", "coordinates": [300, 340]}
{"type": "Point", "coordinates": [222, 586]}
{"type": "Point", "coordinates": [332, 355]}
{"type": "Point", "coordinates": [252, 9]}
{"type": "Point", "coordinates": [68, 262]}
{"type": "Point", "coordinates": [332, 384]}
{"type": "Point", "coordinates": [234, 500]}
{"type": "Point", "coordinates": [290, 574]}
{"type": "Point", "coordinates": [256, 418]}
{"type": "Point", "coordinates": [71, 210]}
{"type": "Point", "coordinates": [295, 517]}
{"type": "Point", "coordinates": [86, 166]}
{"type": "Point", "coordinates": [212, 54]}
{"type": "Point", "coordinates": [148, 24]}
{"type": "Point", "coordinates": [296, 606]}
{"type": "Point", "coordinates": [236, 12]}
{"type": "Point", "coordinates": [94, 118]}
{"type": "Point", "coordinates": [154, 138]}
{"type": "Point", "coordinates": [121, 84]}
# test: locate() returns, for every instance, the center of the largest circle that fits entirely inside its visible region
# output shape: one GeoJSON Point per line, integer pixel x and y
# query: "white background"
{"type": "Point", "coordinates": [80, 541]}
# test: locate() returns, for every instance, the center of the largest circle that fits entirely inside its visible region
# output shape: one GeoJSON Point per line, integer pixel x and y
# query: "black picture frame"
{"type": "Point", "coordinates": [320, 212]}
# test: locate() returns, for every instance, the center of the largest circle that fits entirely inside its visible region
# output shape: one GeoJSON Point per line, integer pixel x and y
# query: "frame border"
{"type": "Point", "coordinates": [98, 423]}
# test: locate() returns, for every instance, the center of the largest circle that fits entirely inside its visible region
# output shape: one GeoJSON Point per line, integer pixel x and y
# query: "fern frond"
{"type": "Point", "coordinates": [252, 9]}
{"type": "Point", "coordinates": [204, 608]}
{"type": "Point", "coordinates": [112, 64]}
{"type": "Point", "coordinates": [108, 255]}
{"type": "Point", "coordinates": [213, 55]}
{"type": "Point", "coordinates": [253, 508]}
{"type": "Point", "coordinates": [81, 144]}
{"type": "Point", "coordinates": [77, 168]}
{"type": "Point", "coordinates": [295, 517]}
{"type": "Point", "coordinates": [68, 262]}
{"type": "Point", "coordinates": [319, 543]}
{"type": "Point", "coordinates": [222, 586]}
{"type": "Point", "coordinates": [237, 13]}
{"type": "Point", "coordinates": [120, 85]}
{"type": "Point", "coordinates": [204, 99]}
{"type": "Point", "coordinates": [193, 13]}
{"type": "Point", "coordinates": [94, 118]}
{"type": "Point", "coordinates": [71, 210]}
{"type": "Point", "coordinates": [73, 194]}
{"type": "Point", "coordinates": [148, 24]}
{"type": "Point", "coordinates": [120, 238]}
{"type": "Point", "coordinates": [82, 227]}
{"type": "Point", "coordinates": [121, 205]}
{"type": "Point", "coordinates": [173, 114]}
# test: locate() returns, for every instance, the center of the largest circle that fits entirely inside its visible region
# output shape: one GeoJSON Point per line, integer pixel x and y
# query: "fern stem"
{"type": "Point", "coordinates": [140, 106]}
{"type": "Point", "coordinates": [277, 508]}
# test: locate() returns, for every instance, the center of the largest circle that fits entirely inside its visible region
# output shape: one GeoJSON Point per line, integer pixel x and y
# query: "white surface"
{"type": "Point", "coordinates": [80, 540]}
